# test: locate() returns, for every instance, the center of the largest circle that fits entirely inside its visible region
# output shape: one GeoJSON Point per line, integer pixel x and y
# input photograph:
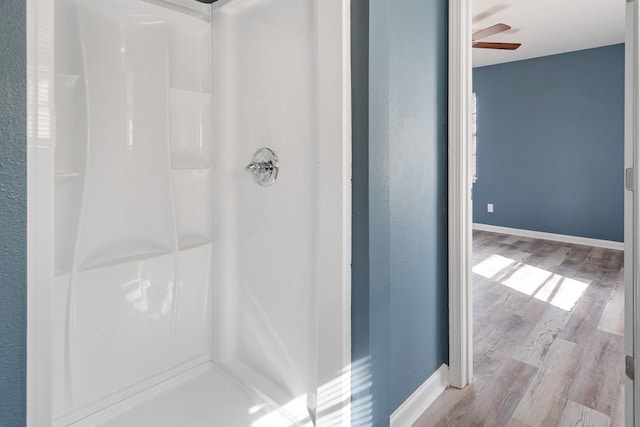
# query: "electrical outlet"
{"type": "Point", "coordinates": [490, 207]}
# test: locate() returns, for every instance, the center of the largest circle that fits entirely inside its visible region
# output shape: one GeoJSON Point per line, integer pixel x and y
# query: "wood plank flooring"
{"type": "Point", "coordinates": [548, 337]}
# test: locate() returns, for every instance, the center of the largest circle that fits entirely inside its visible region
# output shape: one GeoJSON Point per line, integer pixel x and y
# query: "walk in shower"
{"type": "Point", "coordinates": [189, 211]}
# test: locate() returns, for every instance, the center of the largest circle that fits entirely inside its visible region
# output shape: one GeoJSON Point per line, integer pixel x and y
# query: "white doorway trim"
{"type": "Point", "coordinates": [631, 206]}
{"type": "Point", "coordinates": [460, 231]}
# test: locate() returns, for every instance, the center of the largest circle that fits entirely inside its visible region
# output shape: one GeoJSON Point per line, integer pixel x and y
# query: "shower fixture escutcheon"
{"type": "Point", "coordinates": [264, 167]}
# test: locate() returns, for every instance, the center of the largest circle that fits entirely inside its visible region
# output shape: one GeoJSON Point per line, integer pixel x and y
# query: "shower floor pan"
{"type": "Point", "coordinates": [205, 396]}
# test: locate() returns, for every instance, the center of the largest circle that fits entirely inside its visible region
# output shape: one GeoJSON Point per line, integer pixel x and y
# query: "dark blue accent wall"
{"type": "Point", "coordinates": [13, 213]}
{"type": "Point", "coordinates": [417, 146]}
{"type": "Point", "coordinates": [551, 144]}
{"type": "Point", "coordinates": [399, 312]}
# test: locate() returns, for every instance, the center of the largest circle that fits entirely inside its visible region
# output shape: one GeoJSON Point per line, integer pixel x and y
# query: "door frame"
{"type": "Point", "coordinates": [631, 205]}
{"type": "Point", "coordinates": [460, 224]}
{"type": "Point", "coordinates": [460, 208]}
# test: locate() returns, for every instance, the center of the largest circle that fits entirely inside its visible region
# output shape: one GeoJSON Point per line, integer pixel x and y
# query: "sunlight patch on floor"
{"type": "Point", "coordinates": [492, 266]}
{"type": "Point", "coordinates": [559, 291]}
{"type": "Point", "coordinates": [526, 279]}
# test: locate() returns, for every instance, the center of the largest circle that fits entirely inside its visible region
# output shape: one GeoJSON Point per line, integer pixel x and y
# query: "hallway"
{"type": "Point", "coordinates": [548, 337]}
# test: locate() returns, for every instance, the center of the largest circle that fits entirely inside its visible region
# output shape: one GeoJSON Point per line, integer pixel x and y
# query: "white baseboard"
{"type": "Point", "coordinates": [412, 408]}
{"type": "Point", "coordinates": [608, 244]}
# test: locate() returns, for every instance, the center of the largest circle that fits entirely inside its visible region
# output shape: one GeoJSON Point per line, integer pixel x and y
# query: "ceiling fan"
{"type": "Point", "coordinates": [489, 31]}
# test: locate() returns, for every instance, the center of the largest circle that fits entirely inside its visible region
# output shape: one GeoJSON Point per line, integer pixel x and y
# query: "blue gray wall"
{"type": "Point", "coordinates": [399, 313]}
{"type": "Point", "coordinates": [417, 147]}
{"type": "Point", "coordinates": [13, 213]}
{"type": "Point", "coordinates": [551, 144]}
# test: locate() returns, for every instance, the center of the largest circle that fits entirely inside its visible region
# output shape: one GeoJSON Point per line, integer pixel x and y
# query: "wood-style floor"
{"type": "Point", "coordinates": [548, 337]}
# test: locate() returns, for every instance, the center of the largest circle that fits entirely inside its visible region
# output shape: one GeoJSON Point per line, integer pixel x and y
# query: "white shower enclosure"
{"type": "Point", "coordinates": [167, 287]}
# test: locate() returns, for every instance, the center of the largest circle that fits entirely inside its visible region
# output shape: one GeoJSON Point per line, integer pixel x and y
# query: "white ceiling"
{"type": "Point", "coordinates": [547, 27]}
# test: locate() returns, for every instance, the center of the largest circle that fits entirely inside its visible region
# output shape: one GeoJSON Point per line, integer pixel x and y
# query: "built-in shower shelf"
{"type": "Point", "coordinates": [117, 260]}
{"type": "Point", "coordinates": [67, 174]}
{"type": "Point", "coordinates": [193, 242]}
{"type": "Point", "coordinates": [201, 95]}
{"type": "Point", "coordinates": [64, 178]}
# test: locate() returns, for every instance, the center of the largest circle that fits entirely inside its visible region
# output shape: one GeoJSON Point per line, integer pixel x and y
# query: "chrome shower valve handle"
{"type": "Point", "coordinates": [264, 167]}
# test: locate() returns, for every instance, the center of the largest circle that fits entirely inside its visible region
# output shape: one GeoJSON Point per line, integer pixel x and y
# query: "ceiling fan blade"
{"type": "Point", "coordinates": [489, 45]}
{"type": "Point", "coordinates": [489, 31]}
